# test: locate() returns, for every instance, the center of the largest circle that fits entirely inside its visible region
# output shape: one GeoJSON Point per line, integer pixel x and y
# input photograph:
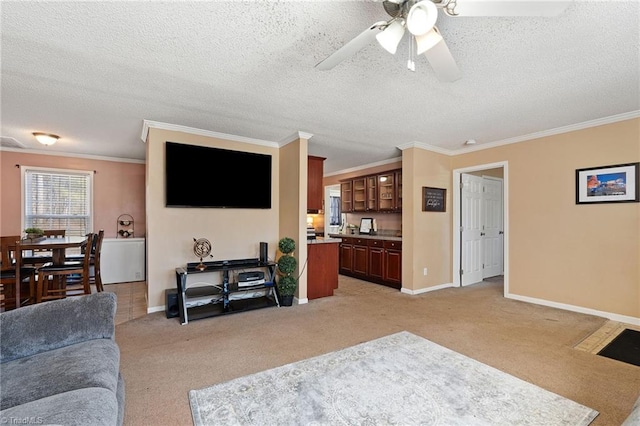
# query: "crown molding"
{"type": "Point", "coordinates": [294, 137]}
{"type": "Point", "coordinates": [148, 124]}
{"type": "Point", "coordinates": [366, 166]}
{"type": "Point", "coordinates": [426, 147]}
{"type": "Point", "coordinates": [73, 155]}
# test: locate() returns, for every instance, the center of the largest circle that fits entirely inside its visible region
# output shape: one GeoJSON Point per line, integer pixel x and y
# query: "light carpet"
{"type": "Point", "coordinates": [400, 379]}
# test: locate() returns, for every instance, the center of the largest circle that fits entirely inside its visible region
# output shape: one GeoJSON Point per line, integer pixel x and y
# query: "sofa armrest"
{"type": "Point", "coordinates": [38, 328]}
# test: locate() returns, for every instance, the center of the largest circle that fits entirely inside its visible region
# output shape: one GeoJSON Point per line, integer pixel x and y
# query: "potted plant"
{"type": "Point", "coordinates": [286, 264]}
{"type": "Point", "coordinates": [33, 233]}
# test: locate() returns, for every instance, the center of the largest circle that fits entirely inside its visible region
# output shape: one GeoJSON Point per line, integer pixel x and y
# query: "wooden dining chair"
{"type": "Point", "coordinates": [17, 281]}
{"type": "Point", "coordinates": [58, 281]}
{"type": "Point", "coordinates": [95, 277]}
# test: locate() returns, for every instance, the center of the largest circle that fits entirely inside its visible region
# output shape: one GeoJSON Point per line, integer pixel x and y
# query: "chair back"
{"type": "Point", "coordinates": [97, 277]}
{"type": "Point", "coordinates": [55, 233]}
{"type": "Point", "coordinates": [8, 248]}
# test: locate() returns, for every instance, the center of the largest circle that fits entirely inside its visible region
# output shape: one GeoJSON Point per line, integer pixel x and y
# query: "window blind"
{"type": "Point", "coordinates": [58, 200]}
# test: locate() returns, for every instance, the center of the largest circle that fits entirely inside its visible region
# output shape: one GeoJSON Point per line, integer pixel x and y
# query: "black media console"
{"type": "Point", "coordinates": [228, 296]}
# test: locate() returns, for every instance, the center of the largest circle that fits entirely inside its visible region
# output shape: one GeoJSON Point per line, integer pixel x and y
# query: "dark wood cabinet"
{"type": "Point", "coordinates": [346, 256]}
{"type": "Point", "coordinates": [376, 259]}
{"type": "Point", "coordinates": [360, 257]}
{"type": "Point", "coordinates": [346, 196]}
{"type": "Point", "coordinates": [393, 263]}
{"type": "Point", "coordinates": [315, 171]}
{"type": "Point", "coordinates": [372, 259]}
{"type": "Point", "coordinates": [322, 266]}
{"type": "Point", "coordinates": [376, 193]}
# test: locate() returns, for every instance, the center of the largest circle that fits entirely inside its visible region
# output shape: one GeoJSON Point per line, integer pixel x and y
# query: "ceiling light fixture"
{"type": "Point", "coordinates": [46, 138]}
{"type": "Point", "coordinates": [390, 37]}
{"type": "Point", "coordinates": [470, 142]}
{"type": "Point", "coordinates": [422, 17]}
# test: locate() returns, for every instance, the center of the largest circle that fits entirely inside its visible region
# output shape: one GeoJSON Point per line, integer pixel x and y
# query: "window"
{"type": "Point", "coordinates": [57, 199]}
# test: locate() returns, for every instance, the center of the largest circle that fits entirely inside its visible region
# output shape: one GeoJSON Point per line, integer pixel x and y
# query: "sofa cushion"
{"type": "Point", "coordinates": [93, 363]}
{"type": "Point", "coordinates": [89, 406]}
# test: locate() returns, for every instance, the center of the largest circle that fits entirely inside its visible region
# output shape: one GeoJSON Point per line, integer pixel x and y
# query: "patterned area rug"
{"type": "Point", "coordinates": [398, 379]}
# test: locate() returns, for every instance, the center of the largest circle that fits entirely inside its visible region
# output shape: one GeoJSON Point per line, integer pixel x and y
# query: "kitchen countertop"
{"type": "Point", "coordinates": [322, 240]}
{"type": "Point", "coordinates": [367, 236]}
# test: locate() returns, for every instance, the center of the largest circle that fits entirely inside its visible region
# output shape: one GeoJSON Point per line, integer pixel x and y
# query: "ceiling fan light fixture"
{"type": "Point", "coordinates": [422, 17]}
{"type": "Point", "coordinates": [46, 138]}
{"type": "Point", "coordinates": [390, 37]}
{"type": "Point", "coordinates": [427, 41]}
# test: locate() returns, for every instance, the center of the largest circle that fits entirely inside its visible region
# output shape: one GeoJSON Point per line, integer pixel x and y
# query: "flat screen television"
{"type": "Point", "coordinates": [200, 176]}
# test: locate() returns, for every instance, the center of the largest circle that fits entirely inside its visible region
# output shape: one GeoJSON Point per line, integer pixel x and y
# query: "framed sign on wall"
{"type": "Point", "coordinates": [434, 199]}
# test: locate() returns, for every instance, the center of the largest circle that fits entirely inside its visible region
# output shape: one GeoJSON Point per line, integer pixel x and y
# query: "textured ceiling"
{"type": "Point", "coordinates": [93, 71]}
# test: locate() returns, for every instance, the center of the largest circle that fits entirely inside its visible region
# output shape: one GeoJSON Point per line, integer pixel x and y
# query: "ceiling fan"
{"type": "Point", "coordinates": [420, 16]}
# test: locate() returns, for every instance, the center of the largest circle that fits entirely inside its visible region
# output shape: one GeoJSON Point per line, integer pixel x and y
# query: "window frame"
{"type": "Point", "coordinates": [23, 181]}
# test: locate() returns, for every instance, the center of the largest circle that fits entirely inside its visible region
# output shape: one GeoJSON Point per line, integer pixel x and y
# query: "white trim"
{"type": "Point", "coordinates": [355, 169]}
{"type": "Point", "coordinates": [456, 218]}
{"type": "Point", "coordinates": [427, 147]}
{"type": "Point", "coordinates": [153, 309]}
{"type": "Point", "coordinates": [73, 155]}
{"type": "Point", "coordinates": [425, 290]}
{"type": "Point", "coordinates": [294, 137]}
{"type": "Point", "coordinates": [300, 301]}
{"type": "Point", "coordinates": [573, 308]}
{"type": "Point", "coordinates": [147, 124]}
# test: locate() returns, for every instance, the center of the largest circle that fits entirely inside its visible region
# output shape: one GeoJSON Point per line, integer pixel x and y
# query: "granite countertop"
{"type": "Point", "coordinates": [367, 236]}
{"type": "Point", "coordinates": [322, 240]}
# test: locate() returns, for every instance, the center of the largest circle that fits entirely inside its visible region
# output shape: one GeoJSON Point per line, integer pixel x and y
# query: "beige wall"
{"type": "Point", "coordinates": [293, 204]}
{"type": "Point", "coordinates": [426, 236]}
{"type": "Point", "coordinates": [580, 255]}
{"type": "Point", "coordinates": [234, 233]}
{"type": "Point", "coordinates": [118, 188]}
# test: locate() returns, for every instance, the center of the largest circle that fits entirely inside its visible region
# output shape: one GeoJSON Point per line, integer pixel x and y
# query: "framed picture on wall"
{"type": "Point", "coordinates": [619, 183]}
{"type": "Point", "coordinates": [434, 199]}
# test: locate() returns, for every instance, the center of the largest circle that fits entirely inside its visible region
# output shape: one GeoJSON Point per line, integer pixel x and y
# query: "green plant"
{"type": "Point", "coordinates": [36, 231]}
{"type": "Point", "coordinates": [287, 285]}
{"type": "Point", "coordinates": [287, 264]}
{"type": "Point", "coordinates": [287, 245]}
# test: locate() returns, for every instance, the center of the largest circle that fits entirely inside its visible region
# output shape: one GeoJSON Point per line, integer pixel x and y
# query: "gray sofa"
{"type": "Point", "coordinates": [59, 363]}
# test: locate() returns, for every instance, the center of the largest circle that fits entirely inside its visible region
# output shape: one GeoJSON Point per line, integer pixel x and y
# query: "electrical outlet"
{"type": "Point", "coordinates": [138, 275]}
{"type": "Point", "coordinates": [424, 271]}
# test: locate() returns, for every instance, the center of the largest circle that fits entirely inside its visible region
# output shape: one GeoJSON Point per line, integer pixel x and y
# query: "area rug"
{"type": "Point", "coordinates": [625, 347]}
{"type": "Point", "coordinates": [400, 379]}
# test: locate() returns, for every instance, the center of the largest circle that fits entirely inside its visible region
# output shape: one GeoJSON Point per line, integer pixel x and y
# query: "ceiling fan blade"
{"type": "Point", "coordinates": [442, 62]}
{"type": "Point", "coordinates": [352, 47]}
{"type": "Point", "coordinates": [509, 7]}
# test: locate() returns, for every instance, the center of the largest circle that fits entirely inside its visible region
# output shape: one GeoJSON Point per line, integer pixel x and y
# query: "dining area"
{"type": "Point", "coordinates": [49, 266]}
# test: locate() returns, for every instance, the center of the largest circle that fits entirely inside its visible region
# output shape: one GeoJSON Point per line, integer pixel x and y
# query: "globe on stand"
{"type": "Point", "coordinates": [202, 249]}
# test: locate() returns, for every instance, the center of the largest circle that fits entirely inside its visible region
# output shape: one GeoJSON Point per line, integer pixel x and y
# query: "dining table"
{"type": "Point", "coordinates": [57, 246]}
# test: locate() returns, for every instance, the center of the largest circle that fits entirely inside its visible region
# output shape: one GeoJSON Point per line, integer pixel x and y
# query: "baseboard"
{"type": "Point", "coordinates": [426, 290]}
{"type": "Point", "coordinates": [153, 309]}
{"type": "Point", "coordinates": [573, 308]}
{"type": "Point", "coordinates": [302, 301]}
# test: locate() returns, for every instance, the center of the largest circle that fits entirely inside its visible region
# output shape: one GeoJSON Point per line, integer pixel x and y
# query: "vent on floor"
{"type": "Point", "coordinates": [7, 142]}
{"type": "Point", "coordinates": [625, 347]}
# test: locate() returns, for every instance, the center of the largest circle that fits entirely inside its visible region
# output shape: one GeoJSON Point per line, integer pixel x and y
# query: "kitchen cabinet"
{"type": "Point", "coordinates": [372, 259]}
{"type": "Point", "coordinates": [374, 193]}
{"type": "Point", "coordinates": [393, 263]}
{"type": "Point", "coordinates": [322, 267]}
{"type": "Point", "coordinates": [315, 171]}
{"type": "Point", "coordinates": [346, 196]}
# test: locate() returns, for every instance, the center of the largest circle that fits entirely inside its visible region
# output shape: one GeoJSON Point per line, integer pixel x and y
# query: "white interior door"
{"type": "Point", "coordinates": [471, 229]}
{"type": "Point", "coordinates": [492, 240]}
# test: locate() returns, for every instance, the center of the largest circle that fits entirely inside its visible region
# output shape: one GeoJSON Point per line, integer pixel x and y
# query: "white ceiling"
{"type": "Point", "coordinates": [93, 71]}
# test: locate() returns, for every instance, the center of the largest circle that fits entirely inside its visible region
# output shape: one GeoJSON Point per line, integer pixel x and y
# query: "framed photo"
{"type": "Point", "coordinates": [608, 184]}
{"type": "Point", "coordinates": [434, 199]}
{"type": "Point", "coordinates": [366, 225]}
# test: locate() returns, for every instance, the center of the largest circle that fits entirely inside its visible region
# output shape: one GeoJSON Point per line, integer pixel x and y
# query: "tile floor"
{"type": "Point", "coordinates": [132, 300]}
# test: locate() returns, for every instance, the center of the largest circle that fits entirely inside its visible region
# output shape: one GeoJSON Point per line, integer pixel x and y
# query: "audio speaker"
{"type": "Point", "coordinates": [171, 309]}
{"type": "Point", "coordinates": [264, 249]}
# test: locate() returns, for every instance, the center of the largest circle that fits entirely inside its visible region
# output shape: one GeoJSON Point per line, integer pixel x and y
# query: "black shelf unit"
{"type": "Point", "coordinates": [226, 297]}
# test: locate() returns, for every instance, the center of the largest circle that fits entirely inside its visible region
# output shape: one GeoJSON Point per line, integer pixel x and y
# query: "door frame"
{"type": "Point", "coordinates": [457, 203]}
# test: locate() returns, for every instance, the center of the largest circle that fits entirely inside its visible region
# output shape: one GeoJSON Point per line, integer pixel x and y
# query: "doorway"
{"type": "Point", "coordinates": [481, 221]}
{"type": "Point", "coordinates": [332, 214]}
